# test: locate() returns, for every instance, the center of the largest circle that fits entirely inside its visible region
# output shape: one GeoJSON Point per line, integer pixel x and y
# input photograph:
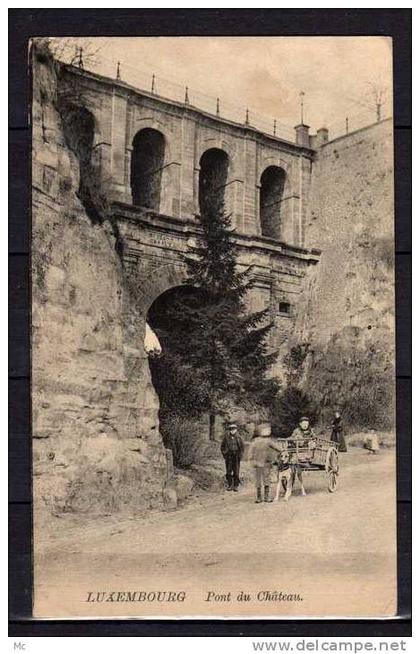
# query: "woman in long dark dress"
{"type": "Point", "coordinates": [337, 433]}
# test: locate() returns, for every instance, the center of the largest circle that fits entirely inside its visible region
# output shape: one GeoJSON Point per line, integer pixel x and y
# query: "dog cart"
{"type": "Point", "coordinates": [315, 454]}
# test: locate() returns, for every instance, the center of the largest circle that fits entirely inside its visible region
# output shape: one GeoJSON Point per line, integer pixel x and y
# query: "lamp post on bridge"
{"type": "Point", "coordinates": [80, 59]}
{"type": "Point", "coordinates": [301, 95]}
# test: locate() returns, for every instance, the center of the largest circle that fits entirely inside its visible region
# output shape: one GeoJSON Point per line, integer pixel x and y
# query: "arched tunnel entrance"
{"type": "Point", "coordinates": [181, 398]}
{"type": "Point", "coordinates": [147, 160]}
{"type": "Point", "coordinates": [214, 164]}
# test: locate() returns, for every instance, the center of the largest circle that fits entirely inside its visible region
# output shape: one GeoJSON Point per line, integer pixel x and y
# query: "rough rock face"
{"type": "Point", "coordinates": [97, 445]}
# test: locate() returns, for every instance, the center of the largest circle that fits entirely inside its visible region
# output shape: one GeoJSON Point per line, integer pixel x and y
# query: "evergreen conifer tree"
{"type": "Point", "coordinates": [220, 349]}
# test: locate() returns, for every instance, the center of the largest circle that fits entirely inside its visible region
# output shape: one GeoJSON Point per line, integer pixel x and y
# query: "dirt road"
{"type": "Point", "coordinates": [324, 554]}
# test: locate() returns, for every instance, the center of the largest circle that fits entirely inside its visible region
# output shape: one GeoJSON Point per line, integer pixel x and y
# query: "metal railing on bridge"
{"type": "Point", "coordinates": [354, 122]}
{"type": "Point", "coordinates": [156, 84]}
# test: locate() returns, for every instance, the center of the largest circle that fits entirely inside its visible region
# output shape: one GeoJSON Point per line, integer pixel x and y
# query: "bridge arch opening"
{"type": "Point", "coordinates": [180, 398]}
{"type": "Point", "coordinates": [147, 161]}
{"type": "Point", "coordinates": [272, 185]}
{"type": "Point", "coordinates": [214, 165]}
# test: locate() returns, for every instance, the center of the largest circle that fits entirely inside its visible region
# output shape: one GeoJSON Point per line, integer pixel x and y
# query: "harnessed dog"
{"type": "Point", "coordinates": [288, 469]}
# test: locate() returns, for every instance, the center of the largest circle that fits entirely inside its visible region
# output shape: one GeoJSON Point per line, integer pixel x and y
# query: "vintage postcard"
{"type": "Point", "coordinates": [213, 327]}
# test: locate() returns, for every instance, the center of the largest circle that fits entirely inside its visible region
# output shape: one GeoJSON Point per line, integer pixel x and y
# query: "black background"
{"type": "Point", "coordinates": [26, 23]}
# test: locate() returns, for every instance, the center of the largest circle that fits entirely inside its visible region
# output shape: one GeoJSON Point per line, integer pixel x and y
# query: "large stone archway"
{"type": "Point", "coordinates": [150, 278]}
{"type": "Point", "coordinates": [183, 409]}
{"type": "Point", "coordinates": [144, 283]}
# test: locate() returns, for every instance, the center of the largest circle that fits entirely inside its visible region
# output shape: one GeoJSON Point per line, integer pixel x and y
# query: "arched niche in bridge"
{"type": "Point", "coordinates": [79, 128]}
{"type": "Point", "coordinates": [147, 161]}
{"type": "Point", "coordinates": [214, 166]}
{"type": "Point", "coordinates": [272, 185]}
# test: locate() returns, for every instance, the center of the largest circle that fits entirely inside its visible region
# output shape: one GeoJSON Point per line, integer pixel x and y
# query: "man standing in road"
{"type": "Point", "coordinates": [232, 448]}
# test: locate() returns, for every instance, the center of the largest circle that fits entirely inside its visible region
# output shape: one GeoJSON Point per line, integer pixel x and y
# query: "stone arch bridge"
{"type": "Point", "coordinates": [160, 161]}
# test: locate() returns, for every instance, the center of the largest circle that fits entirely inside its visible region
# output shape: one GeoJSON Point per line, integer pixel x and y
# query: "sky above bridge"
{"type": "Point", "coordinates": [340, 76]}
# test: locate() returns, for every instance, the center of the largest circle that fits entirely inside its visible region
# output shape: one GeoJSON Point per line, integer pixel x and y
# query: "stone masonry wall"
{"type": "Point", "coordinates": [346, 314]}
{"type": "Point", "coordinates": [96, 442]}
{"type": "Point", "coordinates": [351, 220]}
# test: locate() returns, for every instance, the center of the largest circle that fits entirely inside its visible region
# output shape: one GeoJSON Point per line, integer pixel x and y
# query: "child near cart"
{"type": "Point", "coordinates": [371, 443]}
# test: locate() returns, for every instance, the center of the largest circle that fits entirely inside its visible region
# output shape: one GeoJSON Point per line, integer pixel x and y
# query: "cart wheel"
{"type": "Point", "coordinates": [331, 468]}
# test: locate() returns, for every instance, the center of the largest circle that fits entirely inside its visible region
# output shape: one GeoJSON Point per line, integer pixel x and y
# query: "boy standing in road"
{"type": "Point", "coordinates": [262, 453]}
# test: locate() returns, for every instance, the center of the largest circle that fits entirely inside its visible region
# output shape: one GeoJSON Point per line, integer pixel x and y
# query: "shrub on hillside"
{"type": "Point", "coordinates": [187, 439]}
{"type": "Point", "coordinates": [357, 379]}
